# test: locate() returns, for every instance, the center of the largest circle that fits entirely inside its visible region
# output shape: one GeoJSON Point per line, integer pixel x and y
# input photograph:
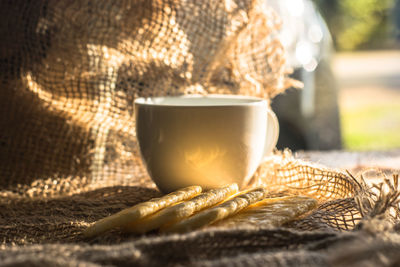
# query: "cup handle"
{"type": "Point", "coordinates": [271, 135]}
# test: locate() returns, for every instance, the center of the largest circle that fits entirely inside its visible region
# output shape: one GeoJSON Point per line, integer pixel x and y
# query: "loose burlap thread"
{"type": "Point", "coordinates": [69, 73]}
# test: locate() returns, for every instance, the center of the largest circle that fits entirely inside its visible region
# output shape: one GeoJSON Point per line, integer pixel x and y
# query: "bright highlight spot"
{"type": "Point", "coordinates": [295, 7]}
{"type": "Point", "coordinates": [304, 52]}
{"type": "Point", "coordinates": [315, 33]}
{"type": "Point", "coordinates": [311, 66]}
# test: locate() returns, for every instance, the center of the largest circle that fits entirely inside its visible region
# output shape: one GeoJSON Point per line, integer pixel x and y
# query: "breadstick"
{"type": "Point", "coordinates": [141, 210]}
{"type": "Point", "coordinates": [228, 208]}
{"type": "Point", "coordinates": [182, 210]}
{"type": "Point", "coordinates": [271, 212]}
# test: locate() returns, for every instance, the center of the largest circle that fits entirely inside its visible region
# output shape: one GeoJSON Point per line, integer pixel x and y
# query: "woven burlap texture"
{"type": "Point", "coordinates": [70, 71]}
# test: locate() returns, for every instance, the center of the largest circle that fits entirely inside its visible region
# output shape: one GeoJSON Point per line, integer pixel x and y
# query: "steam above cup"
{"type": "Point", "coordinates": [209, 141]}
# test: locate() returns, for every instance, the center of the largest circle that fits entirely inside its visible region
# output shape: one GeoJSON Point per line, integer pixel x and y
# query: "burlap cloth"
{"type": "Point", "coordinates": [69, 73]}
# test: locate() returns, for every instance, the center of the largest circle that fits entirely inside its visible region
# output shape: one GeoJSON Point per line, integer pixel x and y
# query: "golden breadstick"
{"type": "Point", "coordinates": [141, 210]}
{"type": "Point", "coordinates": [228, 208]}
{"type": "Point", "coordinates": [182, 210]}
{"type": "Point", "coordinates": [271, 212]}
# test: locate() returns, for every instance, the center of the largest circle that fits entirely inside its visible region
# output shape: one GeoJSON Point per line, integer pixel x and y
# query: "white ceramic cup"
{"type": "Point", "coordinates": [209, 141]}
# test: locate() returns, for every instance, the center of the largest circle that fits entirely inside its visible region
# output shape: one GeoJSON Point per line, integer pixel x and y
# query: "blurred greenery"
{"type": "Point", "coordinates": [359, 24]}
{"type": "Point", "coordinates": [371, 127]}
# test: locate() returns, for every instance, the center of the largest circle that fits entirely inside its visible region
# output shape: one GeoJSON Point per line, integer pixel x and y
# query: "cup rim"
{"type": "Point", "coordinates": [214, 100]}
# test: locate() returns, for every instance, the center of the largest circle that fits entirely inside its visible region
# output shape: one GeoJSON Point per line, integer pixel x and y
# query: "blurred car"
{"type": "Point", "coordinates": [308, 118]}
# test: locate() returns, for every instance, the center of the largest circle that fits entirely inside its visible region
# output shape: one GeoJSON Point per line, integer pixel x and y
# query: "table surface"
{"type": "Point", "coordinates": [373, 165]}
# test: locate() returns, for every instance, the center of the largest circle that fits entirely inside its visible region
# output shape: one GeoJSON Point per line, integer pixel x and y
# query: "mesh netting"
{"type": "Point", "coordinates": [70, 71]}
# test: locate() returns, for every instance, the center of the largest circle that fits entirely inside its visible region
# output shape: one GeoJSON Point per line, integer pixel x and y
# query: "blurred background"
{"type": "Point", "coordinates": [347, 53]}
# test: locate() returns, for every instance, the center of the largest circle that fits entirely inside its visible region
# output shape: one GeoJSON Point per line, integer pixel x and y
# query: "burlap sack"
{"type": "Point", "coordinates": [70, 71]}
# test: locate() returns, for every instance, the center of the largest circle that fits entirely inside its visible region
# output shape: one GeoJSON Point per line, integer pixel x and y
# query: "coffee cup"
{"type": "Point", "coordinates": [209, 141]}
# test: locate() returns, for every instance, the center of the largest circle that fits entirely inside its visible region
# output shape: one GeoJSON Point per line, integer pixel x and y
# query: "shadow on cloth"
{"type": "Point", "coordinates": [47, 220]}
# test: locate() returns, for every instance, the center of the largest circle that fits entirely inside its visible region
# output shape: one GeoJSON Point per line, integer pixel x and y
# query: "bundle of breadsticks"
{"type": "Point", "coordinates": [190, 209]}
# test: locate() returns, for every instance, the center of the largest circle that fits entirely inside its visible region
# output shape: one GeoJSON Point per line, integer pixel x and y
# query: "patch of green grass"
{"type": "Point", "coordinates": [371, 128]}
